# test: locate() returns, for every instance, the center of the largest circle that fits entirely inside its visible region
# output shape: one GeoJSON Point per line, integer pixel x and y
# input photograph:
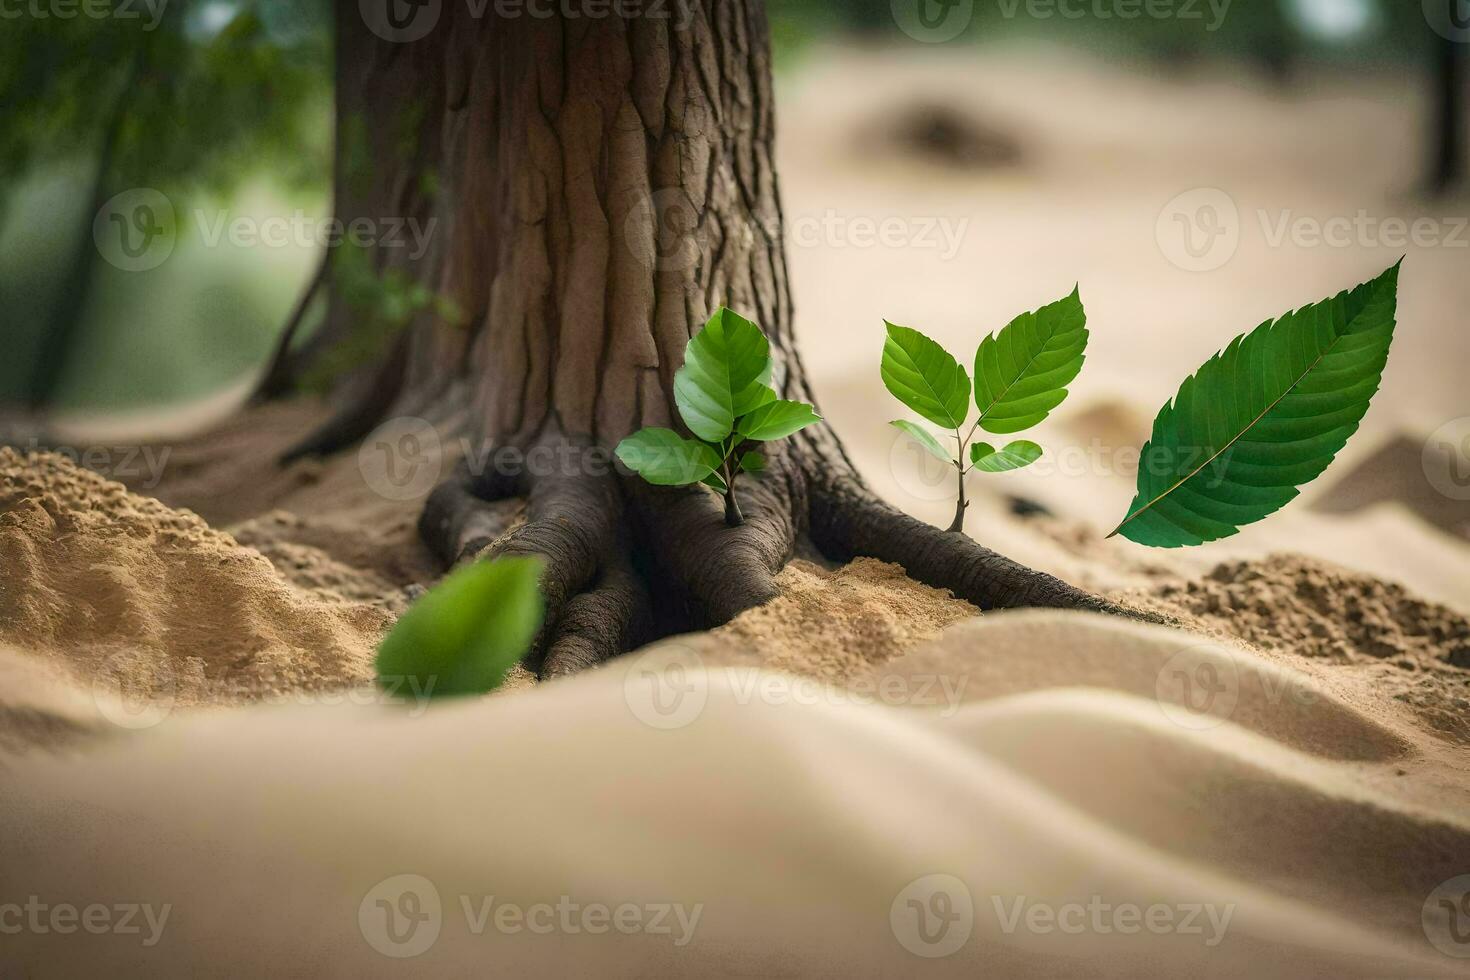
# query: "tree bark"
{"type": "Point", "coordinates": [598, 186]}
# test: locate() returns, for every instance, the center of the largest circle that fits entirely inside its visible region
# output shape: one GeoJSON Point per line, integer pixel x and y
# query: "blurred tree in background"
{"type": "Point", "coordinates": [226, 106]}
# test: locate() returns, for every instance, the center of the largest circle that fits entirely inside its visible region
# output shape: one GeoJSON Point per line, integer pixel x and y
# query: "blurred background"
{"type": "Point", "coordinates": [1196, 166]}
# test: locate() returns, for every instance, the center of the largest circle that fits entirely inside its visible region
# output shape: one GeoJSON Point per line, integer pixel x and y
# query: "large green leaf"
{"type": "Point", "coordinates": [1261, 418]}
{"type": "Point", "coordinates": [777, 420]}
{"type": "Point", "coordinates": [988, 459]}
{"type": "Point", "coordinates": [1022, 373]}
{"type": "Point", "coordinates": [725, 369]}
{"type": "Point", "coordinates": [466, 632]}
{"type": "Point", "coordinates": [664, 457]}
{"type": "Point", "coordinates": [923, 438]}
{"type": "Point", "coordinates": [924, 376]}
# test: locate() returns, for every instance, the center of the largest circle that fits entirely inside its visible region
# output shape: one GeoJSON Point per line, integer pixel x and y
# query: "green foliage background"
{"type": "Point", "coordinates": [227, 104]}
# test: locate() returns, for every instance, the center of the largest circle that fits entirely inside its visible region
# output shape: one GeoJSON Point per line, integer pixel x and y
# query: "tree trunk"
{"type": "Point", "coordinates": [1447, 142]}
{"type": "Point", "coordinates": [597, 187]}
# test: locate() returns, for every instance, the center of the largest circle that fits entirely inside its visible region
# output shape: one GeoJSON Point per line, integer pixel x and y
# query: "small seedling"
{"type": "Point", "coordinates": [1261, 418]}
{"type": "Point", "coordinates": [1021, 374]}
{"type": "Point", "coordinates": [467, 632]}
{"type": "Point", "coordinates": [724, 396]}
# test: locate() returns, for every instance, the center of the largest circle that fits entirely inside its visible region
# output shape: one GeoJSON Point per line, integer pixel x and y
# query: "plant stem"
{"type": "Point", "coordinates": [733, 517]}
{"type": "Point", "coordinates": [958, 524]}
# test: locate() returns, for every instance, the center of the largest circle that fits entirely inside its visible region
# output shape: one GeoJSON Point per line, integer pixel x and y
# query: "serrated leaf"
{"type": "Point", "coordinates": [1261, 418]}
{"type": "Point", "coordinates": [665, 458]}
{"type": "Point", "coordinates": [925, 377]}
{"type": "Point", "coordinates": [465, 633]}
{"type": "Point", "coordinates": [988, 459]}
{"type": "Point", "coordinates": [752, 462]}
{"type": "Point", "coordinates": [923, 438]}
{"type": "Point", "coordinates": [725, 365]}
{"type": "Point", "coordinates": [776, 420]}
{"type": "Point", "coordinates": [1022, 373]}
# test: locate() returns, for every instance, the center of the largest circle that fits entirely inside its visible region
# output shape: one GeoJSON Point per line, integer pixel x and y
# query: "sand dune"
{"type": "Point", "coordinates": [807, 834]}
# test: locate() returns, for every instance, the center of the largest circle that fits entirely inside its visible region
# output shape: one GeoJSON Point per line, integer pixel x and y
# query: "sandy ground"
{"type": "Point", "coordinates": [185, 719]}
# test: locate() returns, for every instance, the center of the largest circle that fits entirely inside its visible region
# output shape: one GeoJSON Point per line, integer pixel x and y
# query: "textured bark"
{"type": "Point", "coordinates": [602, 186]}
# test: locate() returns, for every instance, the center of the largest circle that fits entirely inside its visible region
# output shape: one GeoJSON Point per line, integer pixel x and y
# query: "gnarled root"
{"type": "Point", "coordinates": [610, 543]}
{"type": "Point", "coordinates": [848, 520]}
{"type": "Point", "coordinates": [627, 562]}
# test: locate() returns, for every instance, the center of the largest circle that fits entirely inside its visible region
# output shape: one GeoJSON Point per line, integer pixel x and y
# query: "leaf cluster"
{"type": "Point", "coordinates": [1021, 374]}
{"type": "Point", "coordinates": [724, 395]}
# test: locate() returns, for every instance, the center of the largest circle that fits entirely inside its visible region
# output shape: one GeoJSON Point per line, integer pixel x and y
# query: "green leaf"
{"type": "Point", "coordinates": [988, 459]}
{"type": "Point", "coordinates": [777, 420]}
{"type": "Point", "coordinates": [465, 633]}
{"type": "Point", "coordinates": [1022, 373]}
{"type": "Point", "coordinates": [715, 482]}
{"type": "Point", "coordinates": [923, 438]}
{"type": "Point", "coordinates": [1261, 418]}
{"type": "Point", "coordinates": [665, 458]}
{"type": "Point", "coordinates": [725, 366]}
{"type": "Point", "coordinates": [924, 376]}
{"type": "Point", "coordinates": [753, 462]}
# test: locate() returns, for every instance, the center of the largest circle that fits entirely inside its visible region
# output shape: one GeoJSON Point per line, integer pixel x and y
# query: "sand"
{"type": "Point", "coordinates": [185, 716]}
{"type": "Point", "coordinates": [126, 594]}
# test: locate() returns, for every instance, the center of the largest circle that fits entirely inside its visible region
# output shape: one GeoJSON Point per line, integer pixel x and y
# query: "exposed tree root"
{"type": "Point", "coordinates": [626, 561]}
{"type": "Point", "coordinates": [849, 520]}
